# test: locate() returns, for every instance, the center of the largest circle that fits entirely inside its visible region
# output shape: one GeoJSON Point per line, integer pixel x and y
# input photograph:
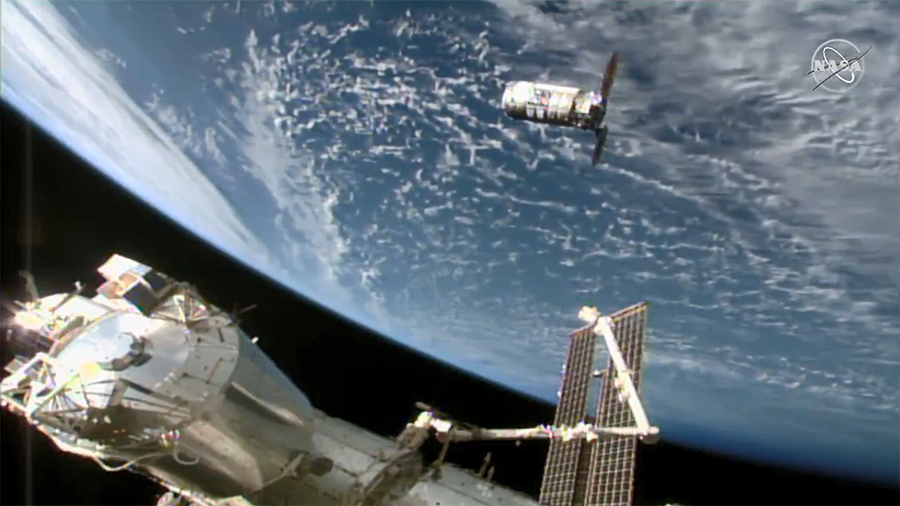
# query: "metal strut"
{"type": "Point", "coordinates": [603, 325]}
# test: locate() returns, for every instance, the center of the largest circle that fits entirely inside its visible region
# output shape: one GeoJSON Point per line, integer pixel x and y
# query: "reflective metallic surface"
{"type": "Point", "coordinates": [147, 376]}
{"type": "Point", "coordinates": [179, 392]}
{"type": "Point", "coordinates": [564, 106]}
{"type": "Point", "coordinates": [553, 104]}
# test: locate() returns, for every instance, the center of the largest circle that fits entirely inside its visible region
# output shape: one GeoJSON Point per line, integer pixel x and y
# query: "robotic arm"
{"type": "Point", "coordinates": [448, 431]}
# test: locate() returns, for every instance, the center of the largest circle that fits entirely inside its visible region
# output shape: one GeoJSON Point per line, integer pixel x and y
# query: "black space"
{"type": "Point", "coordinates": [61, 219]}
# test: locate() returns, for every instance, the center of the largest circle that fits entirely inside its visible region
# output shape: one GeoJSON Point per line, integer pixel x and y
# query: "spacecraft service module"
{"type": "Point", "coordinates": [146, 376]}
{"type": "Point", "coordinates": [564, 105]}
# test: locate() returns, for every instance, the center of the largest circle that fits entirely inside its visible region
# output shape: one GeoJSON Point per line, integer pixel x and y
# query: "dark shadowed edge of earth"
{"type": "Point", "coordinates": [78, 218]}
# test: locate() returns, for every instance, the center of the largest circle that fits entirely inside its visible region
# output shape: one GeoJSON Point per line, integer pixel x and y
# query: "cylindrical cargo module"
{"type": "Point", "coordinates": [553, 104]}
{"type": "Point", "coordinates": [181, 394]}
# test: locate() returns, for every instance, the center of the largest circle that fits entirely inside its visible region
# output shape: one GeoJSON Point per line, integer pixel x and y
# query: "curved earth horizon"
{"type": "Point", "coordinates": [356, 152]}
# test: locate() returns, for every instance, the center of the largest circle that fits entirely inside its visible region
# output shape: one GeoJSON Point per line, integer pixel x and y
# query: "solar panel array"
{"type": "Point", "coordinates": [562, 468]}
{"type": "Point", "coordinates": [611, 481]}
{"type": "Point", "coordinates": [578, 473]}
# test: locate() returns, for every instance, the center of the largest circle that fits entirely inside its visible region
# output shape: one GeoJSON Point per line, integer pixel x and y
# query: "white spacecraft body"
{"type": "Point", "coordinates": [552, 104]}
{"type": "Point", "coordinates": [148, 377]}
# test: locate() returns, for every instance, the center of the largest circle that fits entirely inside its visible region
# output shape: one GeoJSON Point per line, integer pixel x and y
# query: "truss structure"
{"type": "Point", "coordinates": [578, 473]}
{"type": "Point", "coordinates": [590, 462]}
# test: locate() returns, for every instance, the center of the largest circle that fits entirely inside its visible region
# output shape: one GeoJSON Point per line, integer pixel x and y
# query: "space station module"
{"type": "Point", "coordinates": [149, 377]}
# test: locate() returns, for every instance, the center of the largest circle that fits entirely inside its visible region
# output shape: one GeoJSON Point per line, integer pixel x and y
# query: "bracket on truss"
{"type": "Point", "coordinates": [603, 325]}
{"type": "Point", "coordinates": [449, 431]}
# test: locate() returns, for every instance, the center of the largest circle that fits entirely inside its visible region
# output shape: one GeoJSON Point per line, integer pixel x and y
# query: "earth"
{"type": "Point", "coordinates": [356, 152]}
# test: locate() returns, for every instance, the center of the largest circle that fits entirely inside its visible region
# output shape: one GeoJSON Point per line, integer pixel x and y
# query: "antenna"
{"type": "Point", "coordinates": [238, 311]}
{"type": "Point", "coordinates": [30, 286]}
{"type": "Point", "coordinates": [484, 465]}
{"type": "Point", "coordinates": [78, 289]}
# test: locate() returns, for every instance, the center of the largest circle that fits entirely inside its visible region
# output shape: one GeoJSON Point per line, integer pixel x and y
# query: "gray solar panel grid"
{"type": "Point", "coordinates": [579, 473]}
{"type": "Point", "coordinates": [561, 471]}
{"type": "Point", "coordinates": [611, 479]}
